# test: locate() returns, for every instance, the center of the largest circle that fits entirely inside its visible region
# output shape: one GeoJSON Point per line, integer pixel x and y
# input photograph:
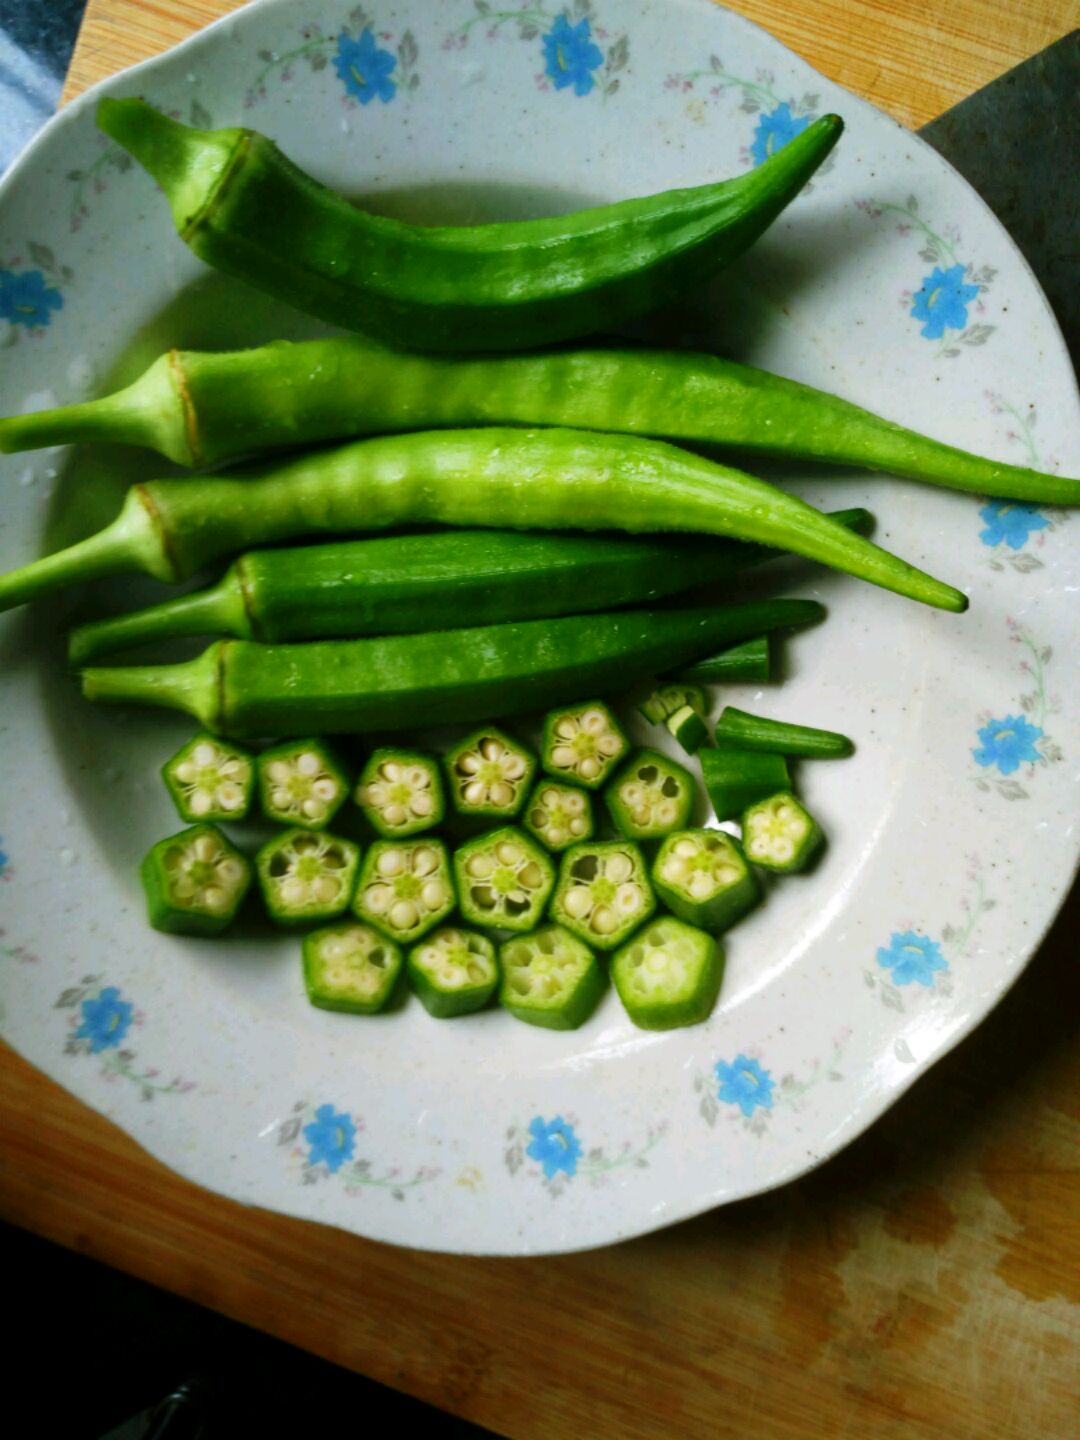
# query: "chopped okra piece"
{"type": "Point", "coordinates": [307, 876]}
{"type": "Point", "coordinates": [550, 978]}
{"type": "Point", "coordinates": [739, 730]}
{"type": "Point", "coordinates": [668, 975]}
{"type": "Point", "coordinates": [454, 972]}
{"type": "Point", "coordinates": [210, 779]}
{"type": "Point", "coordinates": [489, 774]}
{"type": "Point", "coordinates": [735, 779]}
{"type": "Point", "coordinates": [195, 882]}
{"type": "Point", "coordinates": [701, 876]}
{"type": "Point", "coordinates": [401, 792]}
{"type": "Point", "coordinates": [666, 699]}
{"type": "Point", "coordinates": [752, 660]}
{"type": "Point", "coordinates": [583, 744]}
{"type": "Point", "coordinates": [650, 796]}
{"type": "Point", "coordinates": [350, 967]}
{"type": "Point", "coordinates": [503, 879]}
{"type": "Point", "coordinates": [688, 727]}
{"type": "Point", "coordinates": [405, 887]}
{"type": "Point", "coordinates": [603, 892]}
{"type": "Point", "coordinates": [300, 783]}
{"type": "Point", "coordinates": [778, 834]}
{"type": "Point", "coordinates": [559, 815]}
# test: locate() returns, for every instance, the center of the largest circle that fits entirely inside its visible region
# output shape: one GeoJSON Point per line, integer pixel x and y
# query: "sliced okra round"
{"type": "Point", "coordinates": [401, 792]}
{"type": "Point", "coordinates": [687, 726]}
{"type": "Point", "coordinates": [453, 971]}
{"type": "Point", "coordinates": [210, 779]}
{"type": "Point", "coordinates": [559, 815]}
{"type": "Point", "coordinates": [603, 892]}
{"type": "Point", "coordinates": [668, 975]}
{"type": "Point", "coordinates": [779, 834]}
{"type": "Point", "coordinates": [550, 978]}
{"type": "Point", "coordinates": [650, 796]}
{"type": "Point", "coordinates": [583, 744]}
{"type": "Point", "coordinates": [702, 877]}
{"type": "Point", "coordinates": [301, 783]}
{"type": "Point", "coordinates": [503, 879]}
{"type": "Point", "coordinates": [405, 887]}
{"type": "Point", "coordinates": [489, 774]}
{"type": "Point", "coordinates": [665, 700]}
{"type": "Point", "coordinates": [195, 882]}
{"type": "Point", "coordinates": [306, 875]}
{"type": "Point", "coordinates": [351, 968]}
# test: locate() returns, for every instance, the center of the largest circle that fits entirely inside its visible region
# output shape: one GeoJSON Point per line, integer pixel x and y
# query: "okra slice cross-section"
{"type": "Point", "coordinates": [351, 968]}
{"type": "Point", "coordinates": [489, 774]}
{"type": "Point", "coordinates": [559, 815]}
{"type": "Point", "coordinates": [210, 779]}
{"type": "Point", "coordinates": [582, 744]}
{"type": "Point", "coordinates": [453, 971]}
{"type": "Point", "coordinates": [195, 882]}
{"type": "Point", "coordinates": [405, 887]}
{"type": "Point", "coordinates": [401, 792]}
{"type": "Point", "coordinates": [702, 877]}
{"type": "Point", "coordinates": [603, 892]}
{"type": "Point", "coordinates": [779, 834]}
{"type": "Point", "coordinates": [301, 783]}
{"type": "Point", "coordinates": [650, 796]}
{"type": "Point", "coordinates": [503, 879]}
{"type": "Point", "coordinates": [550, 978]}
{"type": "Point", "coordinates": [307, 876]}
{"type": "Point", "coordinates": [668, 975]}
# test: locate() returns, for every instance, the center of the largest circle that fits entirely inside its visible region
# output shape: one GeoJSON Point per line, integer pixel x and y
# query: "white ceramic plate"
{"type": "Point", "coordinates": [952, 831]}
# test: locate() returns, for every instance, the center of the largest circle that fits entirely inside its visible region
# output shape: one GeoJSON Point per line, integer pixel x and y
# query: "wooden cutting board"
{"type": "Point", "coordinates": [924, 1284]}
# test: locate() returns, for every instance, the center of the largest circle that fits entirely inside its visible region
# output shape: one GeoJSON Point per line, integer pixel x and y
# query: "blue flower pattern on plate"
{"type": "Point", "coordinates": [26, 298]}
{"type": "Point", "coordinates": [912, 958]}
{"type": "Point", "coordinates": [570, 56]}
{"type": "Point", "coordinates": [1008, 744]}
{"type": "Point", "coordinates": [774, 130]}
{"type": "Point", "coordinates": [5, 861]}
{"type": "Point", "coordinates": [943, 301]}
{"type": "Point", "coordinates": [365, 68]}
{"type": "Point", "coordinates": [331, 1138]}
{"type": "Point", "coordinates": [106, 1019]}
{"type": "Point", "coordinates": [1010, 524]}
{"type": "Point", "coordinates": [554, 1146]}
{"type": "Point", "coordinates": [744, 1083]}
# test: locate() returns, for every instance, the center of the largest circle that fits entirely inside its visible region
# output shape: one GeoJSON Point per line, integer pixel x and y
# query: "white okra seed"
{"type": "Point", "coordinates": [201, 802]}
{"type": "Point", "coordinates": [404, 915]}
{"type": "Point", "coordinates": [563, 756]}
{"type": "Point", "coordinates": [433, 894]}
{"type": "Point", "coordinates": [394, 814]}
{"type": "Point", "coordinates": [501, 794]}
{"type": "Point", "coordinates": [326, 788]}
{"type": "Point", "coordinates": [578, 902]}
{"type": "Point", "coordinates": [279, 771]}
{"type": "Point", "coordinates": [307, 763]}
{"type": "Point", "coordinates": [187, 772]}
{"type": "Point", "coordinates": [604, 920]}
{"type": "Point", "coordinates": [424, 860]}
{"type": "Point", "coordinates": [215, 898]}
{"type": "Point", "coordinates": [475, 792]}
{"type": "Point", "coordinates": [204, 754]}
{"type": "Point", "coordinates": [390, 862]}
{"type": "Point", "coordinates": [293, 890]}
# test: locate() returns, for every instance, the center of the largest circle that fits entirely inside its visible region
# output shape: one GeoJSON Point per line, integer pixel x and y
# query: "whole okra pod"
{"type": "Point", "coordinates": [247, 210]}
{"type": "Point", "coordinates": [406, 682]}
{"type": "Point", "coordinates": [524, 479]}
{"type": "Point", "coordinates": [205, 409]}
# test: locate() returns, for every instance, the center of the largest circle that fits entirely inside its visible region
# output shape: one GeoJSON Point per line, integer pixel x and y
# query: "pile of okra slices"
{"type": "Point", "coordinates": [547, 863]}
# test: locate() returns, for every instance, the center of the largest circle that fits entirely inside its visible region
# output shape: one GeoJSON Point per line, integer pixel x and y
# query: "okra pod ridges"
{"type": "Point", "coordinates": [739, 730]}
{"type": "Point", "coordinates": [243, 207]}
{"type": "Point", "coordinates": [525, 479]}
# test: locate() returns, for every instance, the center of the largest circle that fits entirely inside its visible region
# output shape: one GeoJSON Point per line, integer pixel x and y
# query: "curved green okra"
{"type": "Point", "coordinates": [488, 774]}
{"type": "Point", "coordinates": [503, 879]}
{"type": "Point", "coordinates": [649, 796]}
{"type": "Point", "coordinates": [351, 968]}
{"type": "Point", "coordinates": [195, 882]}
{"type": "Point", "coordinates": [401, 792]}
{"type": "Point", "coordinates": [209, 780]}
{"type": "Point", "coordinates": [402, 584]}
{"type": "Point", "coordinates": [550, 978]}
{"type": "Point", "coordinates": [739, 730]}
{"type": "Point", "coordinates": [246, 209]}
{"type": "Point", "coordinates": [702, 877]}
{"type": "Point", "coordinates": [453, 971]}
{"type": "Point", "coordinates": [523, 479]}
{"type": "Point", "coordinates": [306, 877]}
{"type": "Point", "coordinates": [735, 779]}
{"type": "Point", "coordinates": [668, 975]}
{"type": "Point", "coordinates": [780, 834]}
{"type": "Point", "coordinates": [404, 682]}
{"type": "Point", "coordinates": [602, 893]}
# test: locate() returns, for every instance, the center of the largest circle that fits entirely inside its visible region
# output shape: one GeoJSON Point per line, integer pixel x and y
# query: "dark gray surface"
{"type": "Point", "coordinates": [1018, 142]}
{"type": "Point", "coordinates": [36, 41]}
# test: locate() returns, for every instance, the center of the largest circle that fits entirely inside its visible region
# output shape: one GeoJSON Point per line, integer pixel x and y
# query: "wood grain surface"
{"type": "Point", "coordinates": [924, 1284]}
